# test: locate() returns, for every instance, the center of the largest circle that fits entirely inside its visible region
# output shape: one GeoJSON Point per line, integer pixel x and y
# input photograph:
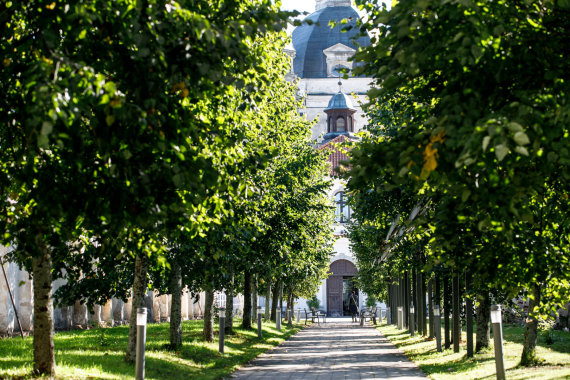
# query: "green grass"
{"type": "Point", "coordinates": [99, 353]}
{"type": "Point", "coordinates": [450, 365]}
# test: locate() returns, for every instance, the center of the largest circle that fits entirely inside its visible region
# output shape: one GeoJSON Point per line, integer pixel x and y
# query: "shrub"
{"type": "Point", "coordinates": [314, 303]}
{"type": "Point", "coordinates": [371, 301]}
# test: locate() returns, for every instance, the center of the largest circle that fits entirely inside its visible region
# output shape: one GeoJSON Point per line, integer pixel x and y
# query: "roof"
{"type": "Point", "coordinates": [340, 101]}
{"type": "Point", "coordinates": [336, 156]}
{"type": "Point", "coordinates": [309, 41]}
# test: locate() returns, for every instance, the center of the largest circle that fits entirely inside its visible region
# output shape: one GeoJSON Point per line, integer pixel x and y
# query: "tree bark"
{"type": "Point", "coordinates": [176, 306]}
{"type": "Point", "coordinates": [208, 331]}
{"type": "Point", "coordinates": [446, 309]}
{"type": "Point", "coordinates": [281, 297]}
{"type": "Point", "coordinates": [44, 358]}
{"type": "Point", "coordinates": [139, 290]}
{"type": "Point", "coordinates": [254, 297]}
{"type": "Point", "coordinates": [424, 306]}
{"type": "Point", "coordinates": [290, 306]}
{"type": "Point", "coordinates": [246, 321]}
{"type": "Point", "coordinates": [275, 301]}
{"type": "Point", "coordinates": [483, 337]}
{"type": "Point", "coordinates": [456, 314]}
{"type": "Point", "coordinates": [229, 321]}
{"type": "Point", "coordinates": [268, 300]}
{"type": "Point", "coordinates": [528, 357]}
{"type": "Point", "coordinates": [469, 315]}
{"type": "Point", "coordinates": [415, 298]}
{"type": "Point", "coordinates": [406, 300]}
{"type": "Point", "coordinates": [430, 309]}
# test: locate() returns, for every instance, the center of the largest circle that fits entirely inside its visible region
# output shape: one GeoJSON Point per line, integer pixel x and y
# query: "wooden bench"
{"type": "Point", "coordinates": [313, 315]}
{"type": "Point", "coordinates": [368, 314]}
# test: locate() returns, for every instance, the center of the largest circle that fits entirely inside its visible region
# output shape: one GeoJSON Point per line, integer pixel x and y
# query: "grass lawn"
{"type": "Point", "coordinates": [449, 365]}
{"type": "Point", "coordinates": [99, 353]}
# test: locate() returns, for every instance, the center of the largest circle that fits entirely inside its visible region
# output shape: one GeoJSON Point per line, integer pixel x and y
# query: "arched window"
{"type": "Point", "coordinates": [340, 124]}
{"type": "Point", "coordinates": [342, 212]}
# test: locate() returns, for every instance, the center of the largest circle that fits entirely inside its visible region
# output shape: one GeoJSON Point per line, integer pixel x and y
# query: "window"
{"type": "Point", "coordinates": [340, 125]}
{"type": "Point", "coordinates": [342, 212]}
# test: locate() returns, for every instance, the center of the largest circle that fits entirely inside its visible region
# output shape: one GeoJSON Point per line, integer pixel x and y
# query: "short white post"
{"type": "Point", "coordinates": [141, 343]}
{"type": "Point", "coordinates": [497, 321]}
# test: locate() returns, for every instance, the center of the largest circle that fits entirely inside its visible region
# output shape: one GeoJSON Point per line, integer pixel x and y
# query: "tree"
{"type": "Point", "coordinates": [485, 88]}
{"type": "Point", "coordinates": [89, 147]}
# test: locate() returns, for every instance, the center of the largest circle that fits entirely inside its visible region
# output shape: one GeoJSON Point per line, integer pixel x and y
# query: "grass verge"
{"type": "Point", "coordinates": [99, 353]}
{"type": "Point", "coordinates": [449, 365]}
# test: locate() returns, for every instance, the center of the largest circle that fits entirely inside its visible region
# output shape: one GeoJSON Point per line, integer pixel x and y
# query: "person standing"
{"type": "Point", "coordinates": [353, 306]}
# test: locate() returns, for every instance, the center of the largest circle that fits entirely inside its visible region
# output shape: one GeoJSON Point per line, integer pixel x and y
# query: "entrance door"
{"type": "Point", "coordinates": [339, 287]}
{"type": "Point", "coordinates": [334, 296]}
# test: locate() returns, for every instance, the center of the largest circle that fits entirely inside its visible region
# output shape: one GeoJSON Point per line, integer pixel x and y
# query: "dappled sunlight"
{"type": "Point", "coordinates": [100, 352]}
{"type": "Point", "coordinates": [451, 365]}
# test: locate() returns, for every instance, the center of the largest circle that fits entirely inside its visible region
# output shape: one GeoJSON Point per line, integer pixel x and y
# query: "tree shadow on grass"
{"type": "Point", "coordinates": [462, 364]}
{"type": "Point", "coordinates": [100, 352]}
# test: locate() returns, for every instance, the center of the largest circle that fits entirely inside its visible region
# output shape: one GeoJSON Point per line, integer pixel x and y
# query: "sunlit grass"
{"type": "Point", "coordinates": [99, 353]}
{"type": "Point", "coordinates": [450, 365]}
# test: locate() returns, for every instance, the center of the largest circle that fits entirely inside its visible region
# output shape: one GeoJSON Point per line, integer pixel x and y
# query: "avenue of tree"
{"type": "Point", "coordinates": [155, 145]}
{"type": "Point", "coordinates": [460, 184]}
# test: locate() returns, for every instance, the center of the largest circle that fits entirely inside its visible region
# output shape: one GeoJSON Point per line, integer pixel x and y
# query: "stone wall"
{"type": "Point", "coordinates": [114, 312]}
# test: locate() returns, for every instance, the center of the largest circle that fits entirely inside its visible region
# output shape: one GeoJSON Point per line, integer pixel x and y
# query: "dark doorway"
{"type": "Point", "coordinates": [347, 288]}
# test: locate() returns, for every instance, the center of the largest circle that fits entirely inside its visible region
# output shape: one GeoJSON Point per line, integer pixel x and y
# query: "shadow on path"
{"type": "Point", "coordinates": [338, 349]}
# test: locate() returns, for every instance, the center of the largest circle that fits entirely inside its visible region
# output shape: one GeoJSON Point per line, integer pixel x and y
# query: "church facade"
{"type": "Point", "coordinates": [320, 55]}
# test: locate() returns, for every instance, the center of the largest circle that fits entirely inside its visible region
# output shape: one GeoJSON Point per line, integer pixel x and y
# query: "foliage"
{"type": "Point", "coordinates": [470, 121]}
{"type": "Point", "coordinates": [314, 303]}
{"type": "Point", "coordinates": [371, 301]}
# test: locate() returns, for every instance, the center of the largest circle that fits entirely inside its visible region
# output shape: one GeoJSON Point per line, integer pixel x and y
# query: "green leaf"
{"type": "Point", "coordinates": [501, 151]}
{"type": "Point", "coordinates": [514, 127]}
{"type": "Point", "coordinates": [521, 138]}
{"type": "Point", "coordinates": [47, 128]}
{"type": "Point", "coordinates": [486, 141]}
{"type": "Point", "coordinates": [110, 119]}
{"type": "Point", "coordinates": [521, 150]}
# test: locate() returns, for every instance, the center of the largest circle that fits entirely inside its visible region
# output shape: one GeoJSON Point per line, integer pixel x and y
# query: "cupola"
{"type": "Point", "coordinates": [340, 115]}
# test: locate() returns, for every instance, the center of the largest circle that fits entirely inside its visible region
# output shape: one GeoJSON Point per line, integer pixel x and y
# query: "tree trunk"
{"type": "Point", "coordinates": [446, 309]}
{"type": "Point", "coordinates": [430, 309]}
{"type": "Point", "coordinates": [456, 314]}
{"type": "Point", "coordinates": [246, 321]}
{"type": "Point", "coordinates": [415, 298]}
{"type": "Point", "coordinates": [281, 297]}
{"type": "Point", "coordinates": [176, 306]}
{"type": "Point", "coordinates": [208, 331]}
{"type": "Point", "coordinates": [254, 297]}
{"type": "Point", "coordinates": [139, 290]}
{"type": "Point", "coordinates": [229, 321]}
{"type": "Point", "coordinates": [44, 358]}
{"type": "Point", "coordinates": [528, 357]}
{"type": "Point", "coordinates": [469, 315]}
{"type": "Point", "coordinates": [406, 299]}
{"type": "Point", "coordinates": [290, 306]}
{"type": "Point", "coordinates": [268, 300]}
{"type": "Point", "coordinates": [483, 337]}
{"type": "Point", "coordinates": [275, 301]}
{"type": "Point", "coordinates": [424, 306]}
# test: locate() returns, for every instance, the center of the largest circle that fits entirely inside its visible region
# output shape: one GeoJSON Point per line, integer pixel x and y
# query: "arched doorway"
{"type": "Point", "coordinates": [339, 287]}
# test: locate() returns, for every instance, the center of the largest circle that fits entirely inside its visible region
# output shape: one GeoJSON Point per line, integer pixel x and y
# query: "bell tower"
{"type": "Point", "coordinates": [340, 115]}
